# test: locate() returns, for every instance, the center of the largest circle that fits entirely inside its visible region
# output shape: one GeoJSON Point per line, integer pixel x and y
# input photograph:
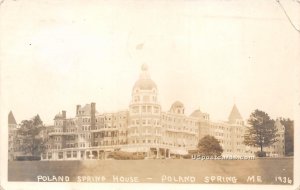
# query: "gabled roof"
{"type": "Point", "coordinates": [11, 119]}
{"type": "Point", "coordinates": [235, 114]}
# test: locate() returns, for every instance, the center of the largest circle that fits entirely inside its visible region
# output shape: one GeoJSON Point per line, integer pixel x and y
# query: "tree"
{"type": "Point", "coordinates": [210, 146]}
{"type": "Point", "coordinates": [288, 135]}
{"type": "Point", "coordinates": [262, 131]}
{"type": "Point", "coordinates": [37, 120]}
{"type": "Point", "coordinates": [28, 133]}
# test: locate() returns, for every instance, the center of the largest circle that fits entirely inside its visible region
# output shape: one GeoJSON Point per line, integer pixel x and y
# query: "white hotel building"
{"type": "Point", "coordinates": [145, 129]}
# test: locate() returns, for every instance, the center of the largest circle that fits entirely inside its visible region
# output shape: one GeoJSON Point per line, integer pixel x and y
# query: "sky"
{"type": "Point", "coordinates": [209, 55]}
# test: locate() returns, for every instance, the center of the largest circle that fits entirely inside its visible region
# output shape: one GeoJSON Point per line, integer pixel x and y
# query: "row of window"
{"type": "Point", "coordinates": [105, 126]}
{"type": "Point", "coordinates": [86, 128]}
{"type": "Point", "coordinates": [180, 144]}
{"type": "Point", "coordinates": [110, 118]}
{"type": "Point", "coordinates": [145, 121]}
{"type": "Point", "coordinates": [158, 142]}
{"type": "Point", "coordinates": [145, 109]}
{"type": "Point", "coordinates": [145, 141]}
{"type": "Point", "coordinates": [184, 128]}
{"type": "Point", "coordinates": [58, 123]}
{"type": "Point", "coordinates": [144, 98]}
{"type": "Point", "coordinates": [179, 121]}
{"type": "Point", "coordinates": [109, 134]}
{"type": "Point", "coordinates": [220, 127]}
{"type": "Point", "coordinates": [179, 136]}
{"type": "Point", "coordinates": [56, 146]}
{"type": "Point", "coordinates": [144, 130]}
{"type": "Point", "coordinates": [103, 119]}
{"type": "Point", "coordinates": [110, 142]}
{"type": "Point", "coordinates": [71, 137]}
{"type": "Point", "coordinates": [86, 120]}
{"type": "Point", "coordinates": [59, 130]}
{"type": "Point", "coordinates": [83, 144]}
{"type": "Point", "coordinates": [84, 136]}
{"type": "Point", "coordinates": [71, 145]}
{"type": "Point", "coordinates": [71, 130]}
{"type": "Point", "coordinates": [55, 138]}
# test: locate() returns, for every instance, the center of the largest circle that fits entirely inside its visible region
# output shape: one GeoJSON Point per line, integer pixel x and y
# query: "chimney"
{"type": "Point", "coordinates": [64, 114]}
{"type": "Point", "coordinates": [77, 109]}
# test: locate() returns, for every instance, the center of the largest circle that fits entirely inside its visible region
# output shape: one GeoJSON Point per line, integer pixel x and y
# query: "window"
{"type": "Point", "coordinates": [60, 155]}
{"type": "Point", "coordinates": [135, 109]}
{"type": "Point", "coordinates": [136, 98]}
{"type": "Point", "coordinates": [74, 154]}
{"type": "Point", "coordinates": [146, 98]}
{"type": "Point", "coordinates": [68, 154]}
{"type": "Point", "coordinates": [149, 109]}
{"type": "Point", "coordinates": [49, 155]}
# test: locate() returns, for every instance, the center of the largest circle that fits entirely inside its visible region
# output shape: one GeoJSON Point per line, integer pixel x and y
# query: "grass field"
{"type": "Point", "coordinates": [156, 171]}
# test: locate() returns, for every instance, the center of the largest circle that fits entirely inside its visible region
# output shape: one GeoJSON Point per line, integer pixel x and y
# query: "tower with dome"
{"type": "Point", "coordinates": [144, 128]}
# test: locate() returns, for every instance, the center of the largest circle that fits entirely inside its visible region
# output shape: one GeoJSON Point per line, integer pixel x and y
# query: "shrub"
{"type": "Point", "coordinates": [260, 154]}
{"type": "Point", "coordinates": [187, 156]}
{"type": "Point", "coordinates": [120, 155]}
{"type": "Point", "coordinates": [210, 146]}
{"type": "Point", "coordinates": [28, 158]}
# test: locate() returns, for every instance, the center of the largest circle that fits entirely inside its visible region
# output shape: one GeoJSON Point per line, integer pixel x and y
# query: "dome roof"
{"type": "Point", "coordinates": [196, 113]}
{"type": "Point", "coordinates": [177, 104]}
{"type": "Point", "coordinates": [177, 107]}
{"type": "Point", "coordinates": [58, 116]}
{"type": "Point", "coordinates": [144, 82]}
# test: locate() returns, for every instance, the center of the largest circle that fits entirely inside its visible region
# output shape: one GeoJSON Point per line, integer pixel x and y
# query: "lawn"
{"type": "Point", "coordinates": [271, 170]}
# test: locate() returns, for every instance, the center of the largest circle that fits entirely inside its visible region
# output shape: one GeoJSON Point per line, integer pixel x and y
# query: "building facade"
{"type": "Point", "coordinates": [145, 129]}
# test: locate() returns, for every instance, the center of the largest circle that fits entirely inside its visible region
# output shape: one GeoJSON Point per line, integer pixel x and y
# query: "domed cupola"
{"type": "Point", "coordinates": [177, 107]}
{"type": "Point", "coordinates": [58, 116]}
{"type": "Point", "coordinates": [144, 82]}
